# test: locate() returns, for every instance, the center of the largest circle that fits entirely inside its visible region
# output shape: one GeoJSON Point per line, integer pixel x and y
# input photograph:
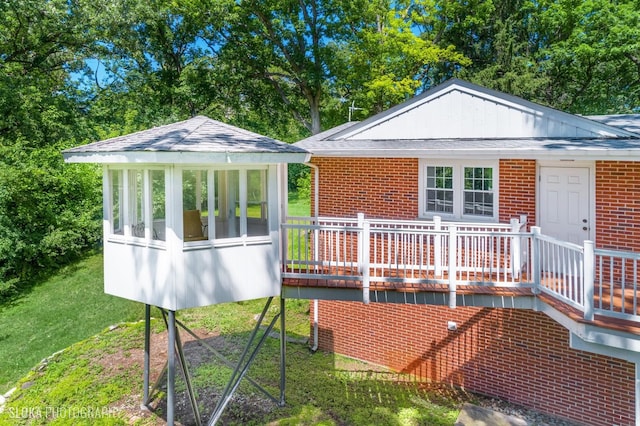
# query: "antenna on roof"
{"type": "Point", "coordinates": [353, 108]}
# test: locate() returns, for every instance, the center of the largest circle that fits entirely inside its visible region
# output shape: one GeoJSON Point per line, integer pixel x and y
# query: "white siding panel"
{"type": "Point", "coordinates": [228, 274]}
{"type": "Point", "coordinates": [139, 273]}
{"type": "Point", "coordinates": [461, 114]}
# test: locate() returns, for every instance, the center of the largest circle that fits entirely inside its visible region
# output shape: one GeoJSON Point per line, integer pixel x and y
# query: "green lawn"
{"type": "Point", "coordinates": [68, 307]}
{"type": "Point", "coordinates": [298, 207]}
{"type": "Point", "coordinates": [103, 374]}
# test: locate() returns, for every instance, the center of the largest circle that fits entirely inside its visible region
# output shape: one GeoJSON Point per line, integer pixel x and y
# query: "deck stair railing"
{"type": "Point", "coordinates": [423, 255]}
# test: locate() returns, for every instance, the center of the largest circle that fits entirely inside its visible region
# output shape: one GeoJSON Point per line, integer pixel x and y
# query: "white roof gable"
{"type": "Point", "coordinates": [461, 110]}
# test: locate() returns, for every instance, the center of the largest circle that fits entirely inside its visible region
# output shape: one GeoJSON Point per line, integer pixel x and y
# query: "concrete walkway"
{"type": "Point", "coordinates": [472, 415]}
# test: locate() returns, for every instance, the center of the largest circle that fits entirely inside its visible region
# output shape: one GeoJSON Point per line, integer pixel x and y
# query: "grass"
{"type": "Point", "coordinates": [299, 207]}
{"type": "Point", "coordinates": [322, 388]}
{"type": "Point", "coordinates": [66, 308]}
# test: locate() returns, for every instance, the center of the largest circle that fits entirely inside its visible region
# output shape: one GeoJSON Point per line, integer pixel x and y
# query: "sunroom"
{"type": "Point", "coordinates": [191, 212]}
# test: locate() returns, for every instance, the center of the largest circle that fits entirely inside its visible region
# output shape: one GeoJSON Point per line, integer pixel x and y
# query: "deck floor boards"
{"type": "Point", "coordinates": [484, 287]}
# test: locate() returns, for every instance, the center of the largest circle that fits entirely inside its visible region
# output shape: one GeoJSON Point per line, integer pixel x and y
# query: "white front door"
{"type": "Point", "coordinates": [564, 203]}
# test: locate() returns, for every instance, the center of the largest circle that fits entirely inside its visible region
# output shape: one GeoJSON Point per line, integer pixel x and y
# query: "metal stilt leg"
{"type": "Point", "coordinates": [283, 351]}
{"type": "Point", "coordinates": [171, 368]}
{"type": "Point", "coordinates": [187, 380]}
{"type": "Point", "coordinates": [236, 377]}
{"type": "Point", "coordinates": [147, 354]}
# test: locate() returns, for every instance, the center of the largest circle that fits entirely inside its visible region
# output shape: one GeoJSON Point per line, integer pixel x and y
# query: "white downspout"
{"type": "Point", "coordinates": [316, 197]}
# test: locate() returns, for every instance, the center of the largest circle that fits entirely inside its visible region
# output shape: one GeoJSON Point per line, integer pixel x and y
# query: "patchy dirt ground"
{"type": "Point", "coordinates": [242, 408]}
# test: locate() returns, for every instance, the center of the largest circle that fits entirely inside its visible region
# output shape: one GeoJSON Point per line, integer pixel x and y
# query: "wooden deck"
{"type": "Point", "coordinates": [498, 265]}
{"type": "Point", "coordinates": [338, 284]}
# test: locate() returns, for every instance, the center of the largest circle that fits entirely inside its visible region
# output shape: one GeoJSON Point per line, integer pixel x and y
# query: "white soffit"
{"type": "Point", "coordinates": [461, 110]}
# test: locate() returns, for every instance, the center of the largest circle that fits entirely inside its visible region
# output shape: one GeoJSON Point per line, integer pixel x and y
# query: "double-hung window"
{"type": "Point", "coordinates": [459, 190]}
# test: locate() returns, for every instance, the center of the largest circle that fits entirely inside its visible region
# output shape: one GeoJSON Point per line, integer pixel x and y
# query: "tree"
{"type": "Point", "coordinates": [44, 217]}
{"type": "Point", "coordinates": [591, 55]}
{"type": "Point", "coordinates": [387, 58]}
{"type": "Point", "coordinates": [284, 44]}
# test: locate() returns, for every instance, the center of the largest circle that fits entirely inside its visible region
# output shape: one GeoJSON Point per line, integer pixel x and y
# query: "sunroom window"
{"type": "Point", "coordinates": [137, 202]}
{"type": "Point", "coordinates": [458, 190]}
{"type": "Point", "coordinates": [241, 206]}
{"type": "Point", "coordinates": [257, 203]}
{"type": "Point", "coordinates": [117, 190]}
{"type": "Point", "coordinates": [158, 204]}
{"type": "Point", "coordinates": [195, 205]}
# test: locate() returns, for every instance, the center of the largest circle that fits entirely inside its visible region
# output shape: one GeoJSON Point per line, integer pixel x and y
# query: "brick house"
{"type": "Point", "coordinates": [467, 154]}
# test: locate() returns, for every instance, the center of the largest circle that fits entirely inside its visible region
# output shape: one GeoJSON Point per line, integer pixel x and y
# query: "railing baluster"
{"type": "Point", "coordinates": [437, 247]}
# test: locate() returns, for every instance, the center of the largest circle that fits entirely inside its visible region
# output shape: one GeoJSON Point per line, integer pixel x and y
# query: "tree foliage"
{"type": "Point", "coordinates": [73, 71]}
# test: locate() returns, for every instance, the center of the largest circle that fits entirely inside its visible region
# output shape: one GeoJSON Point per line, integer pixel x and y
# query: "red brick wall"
{"type": "Point", "coordinates": [522, 356]}
{"type": "Point", "coordinates": [618, 205]}
{"type": "Point", "coordinates": [517, 190]}
{"type": "Point", "coordinates": [518, 355]}
{"type": "Point", "coordinates": [381, 188]}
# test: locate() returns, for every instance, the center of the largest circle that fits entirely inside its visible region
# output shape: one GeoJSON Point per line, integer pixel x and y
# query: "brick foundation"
{"type": "Point", "coordinates": [521, 356]}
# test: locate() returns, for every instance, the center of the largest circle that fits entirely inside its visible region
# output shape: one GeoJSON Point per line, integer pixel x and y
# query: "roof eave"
{"type": "Point", "coordinates": [181, 157]}
{"type": "Point", "coordinates": [488, 154]}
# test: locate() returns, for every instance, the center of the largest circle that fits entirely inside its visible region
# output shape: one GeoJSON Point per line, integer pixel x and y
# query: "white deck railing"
{"type": "Point", "coordinates": [415, 254]}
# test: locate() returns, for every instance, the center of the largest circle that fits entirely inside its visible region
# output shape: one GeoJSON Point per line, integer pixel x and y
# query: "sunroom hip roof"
{"type": "Point", "coordinates": [196, 138]}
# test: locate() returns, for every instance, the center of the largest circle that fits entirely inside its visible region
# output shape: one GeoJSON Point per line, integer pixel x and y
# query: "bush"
{"type": "Point", "coordinates": [50, 213]}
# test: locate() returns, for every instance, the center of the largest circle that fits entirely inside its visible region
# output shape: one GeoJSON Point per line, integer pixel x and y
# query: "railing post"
{"type": "Point", "coordinates": [523, 220]}
{"type": "Point", "coordinates": [453, 244]}
{"type": "Point", "coordinates": [535, 259]}
{"type": "Point", "coordinates": [515, 249]}
{"type": "Point", "coordinates": [365, 255]}
{"type": "Point", "coordinates": [588, 276]}
{"type": "Point", "coordinates": [360, 252]}
{"type": "Point", "coordinates": [437, 246]}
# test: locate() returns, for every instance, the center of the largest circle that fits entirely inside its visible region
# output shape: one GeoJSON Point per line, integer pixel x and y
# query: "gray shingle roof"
{"type": "Point", "coordinates": [199, 140]}
{"type": "Point", "coordinates": [198, 134]}
{"type": "Point", "coordinates": [629, 122]}
{"type": "Point", "coordinates": [622, 149]}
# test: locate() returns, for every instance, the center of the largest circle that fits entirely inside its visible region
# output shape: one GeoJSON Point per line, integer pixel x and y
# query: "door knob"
{"type": "Point", "coordinates": [584, 228]}
{"type": "Point", "coordinates": [584, 220]}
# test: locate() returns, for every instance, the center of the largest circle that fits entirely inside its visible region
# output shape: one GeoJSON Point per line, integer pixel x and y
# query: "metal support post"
{"type": "Point", "coordinates": [187, 380]}
{"type": "Point", "coordinates": [171, 368]}
{"type": "Point", "coordinates": [147, 354]}
{"type": "Point", "coordinates": [283, 351]}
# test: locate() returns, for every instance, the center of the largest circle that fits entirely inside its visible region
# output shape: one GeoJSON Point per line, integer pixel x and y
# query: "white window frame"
{"type": "Point", "coordinates": [458, 167]}
{"type": "Point", "coordinates": [126, 207]}
{"type": "Point", "coordinates": [212, 238]}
